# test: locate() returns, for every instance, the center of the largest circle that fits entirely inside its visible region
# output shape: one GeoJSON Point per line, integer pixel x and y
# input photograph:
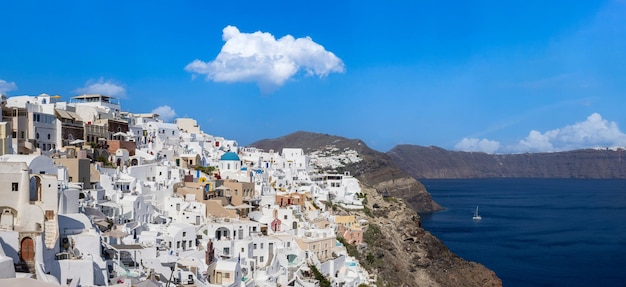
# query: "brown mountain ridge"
{"type": "Point", "coordinates": [436, 163]}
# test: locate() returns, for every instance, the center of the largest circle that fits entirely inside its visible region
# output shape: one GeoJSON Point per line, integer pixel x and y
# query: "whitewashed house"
{"type": "Point", "coordinates": [180, 237]}
{"type": "Point", "coordinates": [80, 257]}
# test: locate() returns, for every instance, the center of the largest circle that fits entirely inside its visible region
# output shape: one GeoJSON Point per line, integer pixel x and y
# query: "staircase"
{"type": "Point", "coordinates": [51, 233]}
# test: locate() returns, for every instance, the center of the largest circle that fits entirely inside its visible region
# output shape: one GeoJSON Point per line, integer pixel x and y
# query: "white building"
{"type": "Point", "coordinates": [180, 237]}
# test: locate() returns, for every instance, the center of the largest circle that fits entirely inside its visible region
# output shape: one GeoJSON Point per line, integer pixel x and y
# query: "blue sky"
{"type": "Point", "coordinates": [494, 76]}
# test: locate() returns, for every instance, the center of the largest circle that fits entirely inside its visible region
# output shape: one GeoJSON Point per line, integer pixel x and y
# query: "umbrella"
{"type": "Point", "coordinates": [120, 134]}
{"type": "Point", "coordinates": [77, 141]}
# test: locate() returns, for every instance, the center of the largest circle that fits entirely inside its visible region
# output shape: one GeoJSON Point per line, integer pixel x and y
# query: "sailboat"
{"type": "Point", "coordinates": [476, 215]}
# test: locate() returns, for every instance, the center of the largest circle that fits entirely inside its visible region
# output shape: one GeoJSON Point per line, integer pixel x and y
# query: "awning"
{"type": "Point", "coordinates": [67, 114]}
{"type": "Point", "coordinates": [63, 114]}
{"type": "Point", "coordinates": [74, 115]}
{"type": "Point", "coordinates": [115, 233]}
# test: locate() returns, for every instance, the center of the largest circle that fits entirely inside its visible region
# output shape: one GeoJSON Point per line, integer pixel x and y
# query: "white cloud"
{"type": "Point", "coordinates": [477, 145]}
{"type": "Point", "coordinates": [107, 88]}
{"type": "Point", "coordinates": [594, 132]}
{"type": "Point", "coordinates": [258, 57]}
{"type": "Point", "coordinates": [166, 113]}
{"type": "Point", "coordinates": [536, 141]}
{"type": "Point", "coordinates": [7, 86]}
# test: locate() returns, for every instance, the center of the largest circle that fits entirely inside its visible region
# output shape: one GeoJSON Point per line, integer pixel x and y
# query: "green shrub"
{"type": "Point", "coordinates": [324, 282]}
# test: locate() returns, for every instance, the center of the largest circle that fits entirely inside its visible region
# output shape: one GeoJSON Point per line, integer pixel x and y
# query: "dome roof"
{"type": "Point", "coordinates": [229, 156]}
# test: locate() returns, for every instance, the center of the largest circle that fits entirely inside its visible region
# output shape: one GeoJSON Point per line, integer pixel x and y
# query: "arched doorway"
{"type": "Point", "coordinates": [222, 232]}
{"type": "Point", "coordinates": [27, 250]}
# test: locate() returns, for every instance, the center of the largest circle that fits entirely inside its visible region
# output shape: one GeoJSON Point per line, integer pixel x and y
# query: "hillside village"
{"type": "Point", "coordinates": [91, 195]}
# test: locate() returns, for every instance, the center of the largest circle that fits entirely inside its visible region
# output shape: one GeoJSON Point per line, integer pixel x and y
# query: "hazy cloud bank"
{"type": "Point", "coordinates": [7, 86]}
{"type": "Point", "coordinates": [107, 88]}
{"type": "Point", "coordinates": [165, 112]}
{"type": "Point", "coordinates": [258, 57]}
{"type": "Point", "coordinates": [593, 132]}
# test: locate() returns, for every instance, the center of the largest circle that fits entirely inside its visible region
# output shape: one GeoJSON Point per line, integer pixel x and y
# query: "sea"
{"type": "Point", "coordinates": [536, 232]}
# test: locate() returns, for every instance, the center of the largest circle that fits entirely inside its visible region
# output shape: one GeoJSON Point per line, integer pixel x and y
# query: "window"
{"type": "Point", "coordinates": [37, 136]}
{"type": "Point", "coordinates": [177, 244]}
{"type": "Point", "coordinates": [285, 216]}
{"type": "Point", "coordinates": [261, 259]}
{"type": "Point", "coordinates": [226, 250]}
{"type": "Point", "coordinates": [261, 245]}
{"type": "Point", "coordinates": [184, 233]}
{"type": "Point", "coordinates": [48, 136]}
{"type": "Point", "coordinates": [14, 186]}
{"type": "Point", "coordinates": [255, 246]}
{"type": "Point", "coordinates": [226, 275]}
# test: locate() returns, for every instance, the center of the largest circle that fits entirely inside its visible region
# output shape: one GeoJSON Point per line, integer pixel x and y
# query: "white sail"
{"type": "Point", "coordinates": [476, 215]}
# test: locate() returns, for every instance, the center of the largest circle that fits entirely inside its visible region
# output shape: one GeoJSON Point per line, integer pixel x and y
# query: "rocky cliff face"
{"type": "Point", "coordinates": [401, 253]}
{"type": "Point", "coordinates": [433, 162]}
{"type": "Point", "coordinates": [398, 250]}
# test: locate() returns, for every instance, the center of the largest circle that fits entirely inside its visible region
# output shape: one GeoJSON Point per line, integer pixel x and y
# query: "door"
{"type": "Point", "coordinates": [27, 249]}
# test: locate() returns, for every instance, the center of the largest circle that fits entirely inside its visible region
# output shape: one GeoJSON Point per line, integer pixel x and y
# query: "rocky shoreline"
{"type": "Point", "coordinates": [404, 254]}
{"type": "Point", "coordinates": [398, 250]}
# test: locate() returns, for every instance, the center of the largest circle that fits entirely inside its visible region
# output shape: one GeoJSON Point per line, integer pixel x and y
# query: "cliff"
{"type": "Point", "coordinates": [433, 162]}
{"type": "Point", "coordinates": [398, 250]}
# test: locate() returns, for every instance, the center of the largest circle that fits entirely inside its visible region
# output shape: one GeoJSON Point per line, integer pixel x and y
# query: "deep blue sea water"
{"type": "Point", "coordinates": [536, 232]}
